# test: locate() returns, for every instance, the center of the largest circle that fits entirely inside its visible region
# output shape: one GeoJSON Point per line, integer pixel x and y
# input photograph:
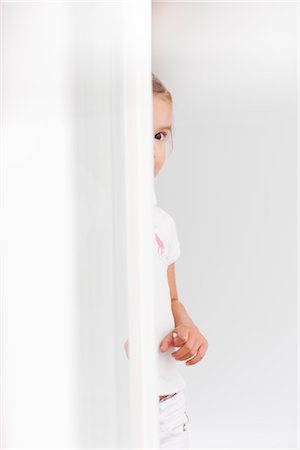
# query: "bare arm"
{"type": "Point", "coordinates": [178, 310]}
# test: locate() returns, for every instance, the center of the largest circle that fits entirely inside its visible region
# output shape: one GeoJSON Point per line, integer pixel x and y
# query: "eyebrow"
{"type": "Point", "coordinates": [169, 127]}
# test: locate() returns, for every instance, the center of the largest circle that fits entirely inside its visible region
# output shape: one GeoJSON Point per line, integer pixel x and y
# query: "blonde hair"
{"type": "Point", "coordinates": [158, 88]}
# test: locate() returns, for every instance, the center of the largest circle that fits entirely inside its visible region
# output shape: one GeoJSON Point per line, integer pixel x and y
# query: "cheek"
{"type": "Point", "coordinates": [159, 153]}
{"type": "Point", "coordinates": [162, 152]}
{"type": "Point", "coordinates": [163, 155]}
{"type": "Point", "coordinates": [160, 159]}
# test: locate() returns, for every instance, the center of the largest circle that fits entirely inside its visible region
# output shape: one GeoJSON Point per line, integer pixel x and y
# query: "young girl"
{"type": "Point", "coordinates": [191, 345]}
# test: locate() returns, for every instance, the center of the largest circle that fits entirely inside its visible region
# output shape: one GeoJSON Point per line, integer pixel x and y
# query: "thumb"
{"type": "Point", "coordinates": [177, 339]}
{"type": "Point", "coordinates": [166, 342]}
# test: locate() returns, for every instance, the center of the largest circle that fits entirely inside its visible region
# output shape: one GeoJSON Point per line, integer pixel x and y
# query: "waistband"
{"type": "Point", "coordinates": [165, 397]}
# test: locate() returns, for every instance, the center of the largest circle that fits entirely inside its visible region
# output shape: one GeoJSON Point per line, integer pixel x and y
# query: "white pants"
{"type": "Point", "coordinates": [173, 422]}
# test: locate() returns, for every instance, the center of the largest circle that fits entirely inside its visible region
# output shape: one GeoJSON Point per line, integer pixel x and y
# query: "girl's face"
{"type": "Point", "coordinates": [162, 125]}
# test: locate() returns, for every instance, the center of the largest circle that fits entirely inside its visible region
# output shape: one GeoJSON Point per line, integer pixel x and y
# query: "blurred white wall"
{"type": "Point", "coordinates": [64, 308]}
{"type": "Point", "coordinates": [231, 186]}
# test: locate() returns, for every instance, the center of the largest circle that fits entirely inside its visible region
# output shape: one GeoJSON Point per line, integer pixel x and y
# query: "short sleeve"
{"type": "Point", "coordinates": [173, 252]}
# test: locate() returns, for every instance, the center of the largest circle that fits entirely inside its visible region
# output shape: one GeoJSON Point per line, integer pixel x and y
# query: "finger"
{"type": "Point", "coordinates": [178, 341]}
{"type": "Point", "coordinates": [199, 355]}
{"type": "Point", "coordinates": [186, 351]}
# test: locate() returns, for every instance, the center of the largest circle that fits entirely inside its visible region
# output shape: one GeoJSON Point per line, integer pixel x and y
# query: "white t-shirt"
{"type": "Point", "coordinates": [166, 251]}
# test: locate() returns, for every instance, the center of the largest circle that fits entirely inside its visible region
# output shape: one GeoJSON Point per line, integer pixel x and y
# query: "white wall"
{"type": "Point", "coordinates": [231, 186]}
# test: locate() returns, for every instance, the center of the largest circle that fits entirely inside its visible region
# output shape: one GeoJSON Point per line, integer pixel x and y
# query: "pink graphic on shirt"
{"type": "Point", "coordinates": [161, 246]}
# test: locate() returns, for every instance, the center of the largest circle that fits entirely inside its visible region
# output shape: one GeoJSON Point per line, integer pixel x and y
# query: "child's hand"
{"type": "Point", "coordinates": [191, 342]}
{"type": "Point", "coordinates": [126, 349]}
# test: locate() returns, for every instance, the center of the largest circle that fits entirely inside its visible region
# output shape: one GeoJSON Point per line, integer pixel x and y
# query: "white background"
{"type": "Point", "coordinates": [231, 186]}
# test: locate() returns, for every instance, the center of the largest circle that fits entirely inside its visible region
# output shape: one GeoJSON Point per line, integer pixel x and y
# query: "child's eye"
{"type": "Point", "coordinates": [157, 134]}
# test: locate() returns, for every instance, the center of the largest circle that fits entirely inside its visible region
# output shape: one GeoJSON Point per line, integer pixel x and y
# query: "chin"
{"type": "Point", "coordinates": [156, 170]}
